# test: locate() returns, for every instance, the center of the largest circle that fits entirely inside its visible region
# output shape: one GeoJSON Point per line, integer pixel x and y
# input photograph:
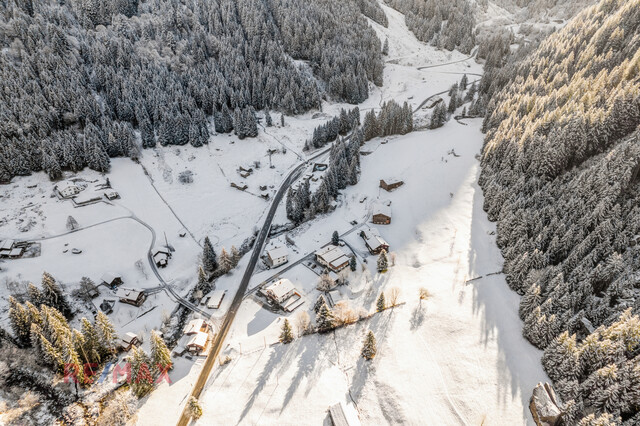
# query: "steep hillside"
{"type": "Point", "coordinates": [79, 76]}
{"type": "Point", "coordinates": [561, 175]}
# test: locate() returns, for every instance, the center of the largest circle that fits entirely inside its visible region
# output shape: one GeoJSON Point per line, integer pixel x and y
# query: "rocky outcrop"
{"type": "Point", "coordinates": [545, 406]}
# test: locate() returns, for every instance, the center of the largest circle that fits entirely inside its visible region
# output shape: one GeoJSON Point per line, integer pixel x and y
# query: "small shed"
{"type": "Point", "coordinates": [215, 299]}
{"type": "Point", "coordinates": [381, 213]}
{"type": "Point", "coordinates": [16, 252]}
{"type": "Point", "coordinates": [161, 257]}
{"type": "Point", "coordinates": [129, 340]}
{"type": "Point", "coordinates": [277, 256]}
{"type": "Point", "coordinates": [198, 342]}
{"type": "Point", "coordinates": [6, 247]}
{"type": "Point", "coordinates": [280, 291]}
{"type": "Point", "coordinates": [131, 296]}
{"type": "Point", "coordinates": [389, 184]}
{"type": "Point", "coordinates": [111, 195]}
{"type": "Point", "coordinates": [111, 279]}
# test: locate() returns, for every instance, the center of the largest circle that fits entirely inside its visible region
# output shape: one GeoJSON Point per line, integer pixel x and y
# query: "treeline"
{"type": "Point", "coordinates": [329, 131]}
{"type": "Point", "coordinates": [447, 25]}
{"type": "Point", "coordinates": [343, 170]}
{"type": "Point", "coordinates": [561, 176]}
{"type": "Point", "coordinates": [392, 119]}
{"type": "Point", "coordinates": [80, 77]}
{"type": "Point", "coordinates": [459, 94]}
{"type": "Point", "coordinates": [371, 9]}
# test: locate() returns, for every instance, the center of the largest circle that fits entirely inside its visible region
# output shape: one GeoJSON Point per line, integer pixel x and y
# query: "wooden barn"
{"type": "Point", "coordinates": [390, 184]}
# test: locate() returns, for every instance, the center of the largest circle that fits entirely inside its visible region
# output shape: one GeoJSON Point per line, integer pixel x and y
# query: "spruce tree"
{"type": "Point", "coordinates": [352, 263]}
{"type": "Point", "coordinates": [92, 347]}
{"type": "Point", "coordinates": [235, 256]}
{"type": "Point", "coordinates": [319, 302]}
{"type": "Point", "coordinates": [35, 295]}
{"type": "Point", "coordinates": [160, 354]}
{"type": "Point", "coordinates": [286, 335]}
{"type": "Point", "coordinates": [209, 259]}
{"type": "Point", "coordinates": [226, 264]}
{"type": "Point", "coordinates": [385, 47]}
{"type": "Point", "coordinates": [335, 238]}
{"type": "Point", "coordinates": [369, 348]}
{"type": "Point", "coordinates": [20, 323]}
{"type": "Point", "coordinates": [53, 296]}
{"type": "Point", "coordinates": [324, 318]}
{"type": "Point", "coordinates": [267, 118]}
{"type": "Point", "coordinates": [106, 334]}
{"type": "Point", "coordinates": [203, 283]}
{"type": "Point", "coordinates": [141, 378]}
{"type": "Point", "coordinates": [381, 304]}
{"type": "Point", "coordinates": [383, 261]}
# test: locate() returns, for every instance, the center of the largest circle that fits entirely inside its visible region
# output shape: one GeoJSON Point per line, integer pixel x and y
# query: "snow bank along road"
{"type": "Point", "coordinates": [244, 283]}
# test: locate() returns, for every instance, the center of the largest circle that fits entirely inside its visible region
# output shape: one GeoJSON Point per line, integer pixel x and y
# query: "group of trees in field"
{"type": "Point", "coordinates": [214, 266]}
{"type": "Point", "coordinates": [460, 94]}
{"type": "Point", "coordinates": [81, 78]}
{"type": "Point", "coordinates": [392, 119]}
{"type": "Point", "coordinates": [448, 25]}
{"type": "Point", "coordinates": [337, 126]}
{"type": "Point", "coordinates": [561, 176]}
{"type": "Point", "coordinates": [343, 169]}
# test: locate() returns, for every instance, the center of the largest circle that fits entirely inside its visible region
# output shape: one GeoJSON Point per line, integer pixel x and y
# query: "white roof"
{"type": "Point", "coordinates": [6, 244]}
{"type": "Point", "coordinates": [128, 293]}
{"type": "Point", "coordinates": [280, 288]}
{"type": "Point", "coordinates": [199, 339]}
{"type": "Point", "coordinates": [216, 298]}
{"type": "Point", "coordinates": [108, 277]}
{"type": "Point", "coordinates": [111, 192]}
{"type": "Point", "coordinates": [277, 252]}
{"type": "Point", "coordinates": [332, 254]}
{"type": "Point", "coordinates": [194, 326]}
{"type": "Point", "coordinates": [381, 207]}
{"type": "Point", "coordinates": [373, 238]}
{"type": "Point", "coordinates": [66, 184]}
{"type": "Point", "coordinates": [16, 252]}
{"type": "Point", "coordinates": [128, 337]}
{"type": "Point", "coordinates": [392, 179]}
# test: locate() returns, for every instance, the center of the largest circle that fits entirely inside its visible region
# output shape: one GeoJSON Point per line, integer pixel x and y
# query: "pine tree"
{"type": "Point", "coordinates": [282, 120]}
{"type": "Point", "coordinates": [235, 256]}
{"type": "Point", "coordinates": [35, 295]}
{"type": "Point", "coordinates": [286, 335]}
{"type": "Point", "coordinates": [385, 47]}
{"type": "Point", "coordinates": [383, 261]}
{"type": "Point", "coordinates": [203, 283]}
{"type": "Point", "coordinates": [19, 320]}
{"type": "Point", "coordinates": [335, 238]}
{"type": "Point", "coordinates": [52, 295]}
{"type": "Point", "coordinates": [91, 347]}
{"type": "Point", "coordinates": [369, 348]}
{"type": "Point", "coordinates": [226, 263]}
{"type": "Point", "coordinates": [72, 224]}
{"type": "Point", "coordinates": [319, 302]}
{"type": "Point", "coordinates": [209, 260]}
{"type": "Point", "coordinates": [195, 410]}
{"type": "Point", "coordinates": [381, 304]}
{"type": "Point", "coordinates": [352, 263]}
{"type": "Point", "coordinates": [160, 354]}
{"type": "Point", "coordinates": [106, 334]}
{"type": "Point", "coordinates": [141, 378]}
{"type": "Point", "coordinates": [324, 319]}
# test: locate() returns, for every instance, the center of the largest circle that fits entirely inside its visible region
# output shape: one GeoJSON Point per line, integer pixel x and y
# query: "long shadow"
{"type": "Point", "coordinates": [498, 307]}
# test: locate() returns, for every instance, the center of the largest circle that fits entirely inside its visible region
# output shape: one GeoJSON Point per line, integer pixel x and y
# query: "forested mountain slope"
{"type": "Point", "coordinates": [79, 76]}
{"type": "Point", "coordinates": [561, 175]}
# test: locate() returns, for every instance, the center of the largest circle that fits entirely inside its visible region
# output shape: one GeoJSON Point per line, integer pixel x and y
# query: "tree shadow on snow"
{"type": "Point", "coordinates": [518, 367]}
{"type": "Point", "coordinates": [417, 316]}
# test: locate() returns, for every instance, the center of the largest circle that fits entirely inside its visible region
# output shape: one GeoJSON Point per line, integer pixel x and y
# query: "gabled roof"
{"type": "Point", "coordinates": [199, 339]}
{"type": "Point", "coordinates": [280, 288]}
{"type": "Point", "coordinates": [381, 207]}
{"type": "Point", "coordinates": [128, 293]}
{"type": "Point", "coordinates": [194, 326]}
{"type": "Point", "coordinates": [109, 277]}
{"type": "Point", "coordinates": [277, 252]}
{"type": "Point", "coordinates": [373, 238]}
{"type": "Point", "coordinates": [332, 254]}
{"type": "Point", "coordinates": [6, 244]}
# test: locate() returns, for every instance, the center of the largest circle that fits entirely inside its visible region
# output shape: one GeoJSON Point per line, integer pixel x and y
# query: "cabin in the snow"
{"type": "Point", "coordinates": [390, 184]}
{"type": "Point", "coordinates": [111, 280]}
{"type": "Point", "coordinates": [381, 213]}
{"type": "Point", "coordinates": [131, 296]}
{"type": "Point", "coordinates": [161, 257]}
{"type": "Point", "coordinates": [196, 326]}
{"type": "Point", "coordinates": [111, 195]}
{"type": "Point", "coordinates": [68, 189]}
{"type": "Point", "coordinates": [332, 257]}
{"type": "Point", "coordinates": [198, 342]}
{"type": "Point", "coordinates": [374, 242]}
{"type": "Point", "coordinates": [277, 256]}
{"type": "Point", "coordinates": [128, 341]}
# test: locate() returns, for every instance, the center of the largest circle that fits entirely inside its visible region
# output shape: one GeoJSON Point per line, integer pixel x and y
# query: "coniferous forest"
{"type": "Point", "coordinates": [561, 176]}
{"type": "Point", "coordinates": [81, 77]}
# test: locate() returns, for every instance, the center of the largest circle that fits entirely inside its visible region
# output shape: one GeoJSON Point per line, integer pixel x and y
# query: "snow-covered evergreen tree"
{"type": "Point", "coordinates": [369, 349]}
{"type": "Point", "coordinates": [286, 333]}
